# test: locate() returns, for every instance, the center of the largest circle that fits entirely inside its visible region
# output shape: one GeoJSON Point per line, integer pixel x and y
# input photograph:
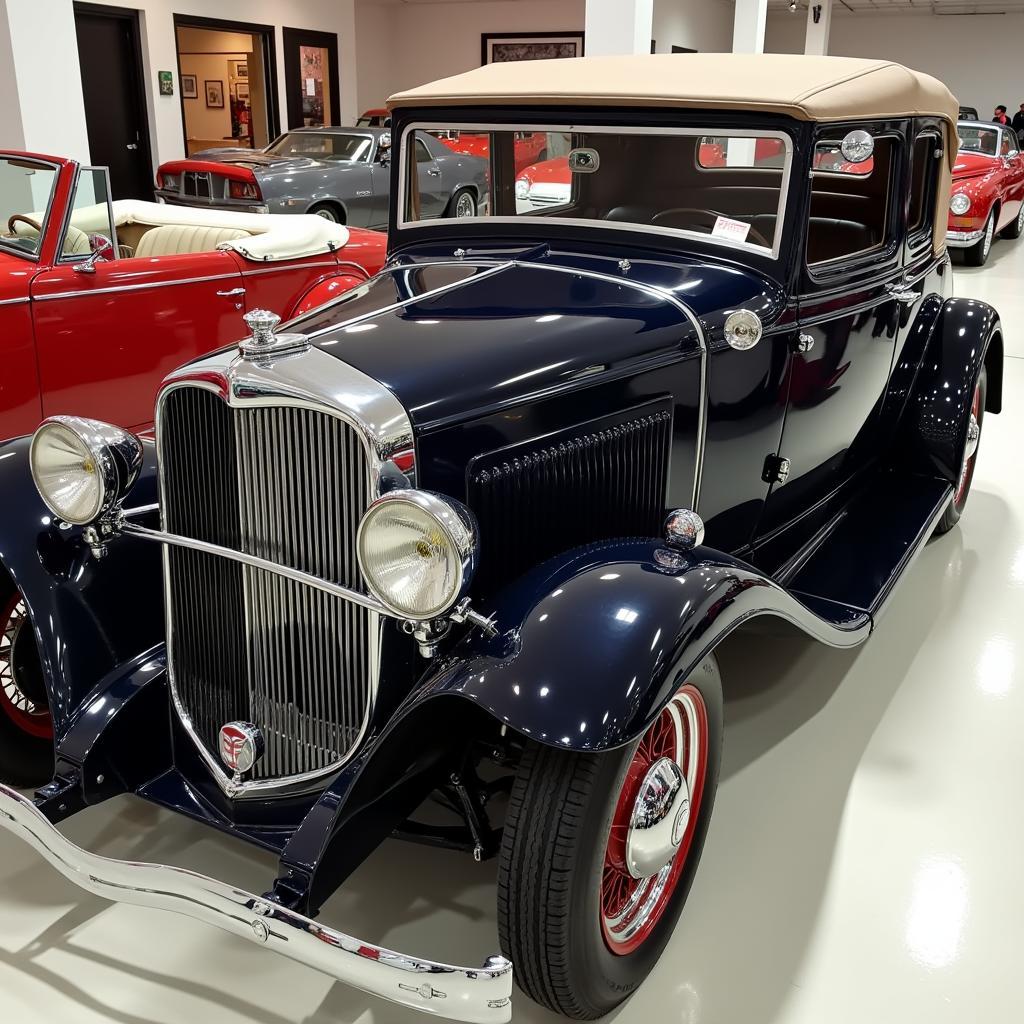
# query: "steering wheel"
{"type": "Point", "coordinates": [15, 217]}
{"type": "Point", "coordinates": [709, 217]}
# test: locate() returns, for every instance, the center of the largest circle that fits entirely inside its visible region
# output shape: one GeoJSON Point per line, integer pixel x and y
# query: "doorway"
{"type": "Point", "coordinates": [311, 78]}
{"type": "Point", "coordinates": [110, 56]}
{"type": "Point", "coordinates": [227, 84]}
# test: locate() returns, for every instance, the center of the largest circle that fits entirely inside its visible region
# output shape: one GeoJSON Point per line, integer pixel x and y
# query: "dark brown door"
{"type": "Point", "coordinates": [311, 74]}
{"type": "Point", "coordinates": [115, 108]}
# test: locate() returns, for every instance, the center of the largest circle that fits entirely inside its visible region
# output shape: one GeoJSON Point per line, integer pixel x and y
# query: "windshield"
{"type": "Point", "coordinates": [324, 146]}
{"type": "Point", "coordinates": [729, 188]}
{"type": "Point", "coordinates": [26, 190]}
{"type": "Point", "coordinates": [977, 139]}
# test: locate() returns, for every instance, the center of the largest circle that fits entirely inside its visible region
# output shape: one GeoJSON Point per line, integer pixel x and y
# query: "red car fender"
{"type": "Point", "coordinates": [325, 290]}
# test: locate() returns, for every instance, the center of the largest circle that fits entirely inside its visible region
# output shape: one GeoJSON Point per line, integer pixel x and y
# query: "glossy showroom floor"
{"type": "Point", "coordinates": [863, 861]}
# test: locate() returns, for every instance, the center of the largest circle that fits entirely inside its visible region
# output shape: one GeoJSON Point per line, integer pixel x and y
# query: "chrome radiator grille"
{"type": "Point", "coordinates": [289, 485]}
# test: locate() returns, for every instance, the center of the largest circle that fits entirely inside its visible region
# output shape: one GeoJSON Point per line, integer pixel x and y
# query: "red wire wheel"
{"type": "Point", "coordinates": [16, 705]}
{"type": "Point", "coordinates": [967, 470]}
{"type": "Point", "coordinates": [631, 907]}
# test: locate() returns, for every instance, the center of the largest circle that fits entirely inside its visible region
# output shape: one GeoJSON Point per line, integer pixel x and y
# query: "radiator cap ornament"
{"type": "Point", "coordinates": [264, 343]}
{"type": "Point", "coordinates": [241, 746]}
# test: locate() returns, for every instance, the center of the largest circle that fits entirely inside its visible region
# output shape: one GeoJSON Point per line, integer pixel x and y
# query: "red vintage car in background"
{"type": "Point", "coordinates": [529, 147]}
{"type": "Point", "coordinates": [99, 300]}
{"type": "Point", "coordinates": [988, 190]}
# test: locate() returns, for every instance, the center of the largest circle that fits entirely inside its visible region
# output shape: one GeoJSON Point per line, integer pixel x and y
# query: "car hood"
{"type": "Point", "coordinates": [254, 159]}
{"type": "Point", "coordinates": [452, 339]}
{"type": "Point", "coordinates": [973, 165]}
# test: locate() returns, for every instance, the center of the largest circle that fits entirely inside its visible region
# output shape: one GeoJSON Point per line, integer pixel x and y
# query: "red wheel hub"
{"type": "Point", "coordinates": [631, 906]}
{"type": "Point", "coordinates": [15, 704]}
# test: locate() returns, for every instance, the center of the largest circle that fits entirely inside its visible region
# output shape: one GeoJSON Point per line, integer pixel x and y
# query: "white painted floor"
{"type": "Point", "coordinates": [863, 863]}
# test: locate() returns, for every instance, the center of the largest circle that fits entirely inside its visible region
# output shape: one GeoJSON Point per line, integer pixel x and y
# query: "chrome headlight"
{"type": "Point", "coordinates": [522, 188]}
{"type": "Point", "coordinates": [960, 203]}
{"type": "Point", "coordinates": [83, 468]}
{"type": "Point", "coordinates": [417, 552]}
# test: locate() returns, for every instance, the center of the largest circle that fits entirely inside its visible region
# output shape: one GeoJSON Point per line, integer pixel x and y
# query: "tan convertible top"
{"type": "Point", "coordinates": [805, 87]}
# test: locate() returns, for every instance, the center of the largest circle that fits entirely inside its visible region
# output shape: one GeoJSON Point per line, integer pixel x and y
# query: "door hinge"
{"type": "Point", "coordinates": [776, 469]}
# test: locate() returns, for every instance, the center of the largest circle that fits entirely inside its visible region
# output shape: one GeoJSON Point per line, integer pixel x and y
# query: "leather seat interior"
{"type": "Point", "coordinates": [76, 243]}
{"type": "Point", "coordinates": [176, 239]}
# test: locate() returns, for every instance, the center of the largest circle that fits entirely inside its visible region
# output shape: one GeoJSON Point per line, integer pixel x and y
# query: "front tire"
{"type": "Point", "coordinates": [582, 929]}
{"type": "Point", "coordinates": [328, 211]}
{"type": "Point", "coordinates": [955, 508]}
{"type": "Point", "coordinates": [26, 728]}
{"type": "Point", "coordinates": [977, 254]}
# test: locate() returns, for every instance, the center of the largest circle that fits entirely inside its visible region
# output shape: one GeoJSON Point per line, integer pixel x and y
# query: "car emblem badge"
{"type": "Point", "coordinates": [241, 746]}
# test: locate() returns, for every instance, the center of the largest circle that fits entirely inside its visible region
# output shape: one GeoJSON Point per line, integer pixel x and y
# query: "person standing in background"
{"type": "Point", "coordinates": [1000, 116]}
{"type": "Point", "coordinates": [1018, 121]}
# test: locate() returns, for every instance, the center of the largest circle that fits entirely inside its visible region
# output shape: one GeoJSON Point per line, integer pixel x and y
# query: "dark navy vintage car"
{"type": "Point", "coordinates": [473, 531]}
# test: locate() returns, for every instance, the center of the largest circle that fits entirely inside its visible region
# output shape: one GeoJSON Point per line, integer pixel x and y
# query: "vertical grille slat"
{"type": "Point", "coordinates": [538, 502]}
{"type": "Point", "coordinates": [288, 484]}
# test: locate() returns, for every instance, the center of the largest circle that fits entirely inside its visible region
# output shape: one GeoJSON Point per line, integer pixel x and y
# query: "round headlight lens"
{"type": "Point", "coordinates": [66, 473]}
{"type": "Point", "coordinates": [522, 188]}
{"type": "Point", "coordinates": [960, 204]}
{"type": "Point", "coordinates": [416, 552]}
{"type": "Point", "coordinates": [82, 467]}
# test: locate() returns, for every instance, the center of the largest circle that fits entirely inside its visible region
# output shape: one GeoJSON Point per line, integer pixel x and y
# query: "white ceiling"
{"type": "Point", "coordinates": [939, 7]}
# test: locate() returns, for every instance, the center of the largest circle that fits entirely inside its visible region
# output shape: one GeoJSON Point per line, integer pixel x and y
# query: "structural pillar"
{"type": "Point", "coordinates": [619, 26]}
{"type": "Point", "coordinates": [748, 26]}
{"type": "Point", "coordinates": [819, 24]}
{"type": "Point", "coordinates": [41, 105]}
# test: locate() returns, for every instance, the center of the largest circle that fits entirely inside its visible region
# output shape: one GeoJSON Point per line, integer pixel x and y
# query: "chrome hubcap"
{"type": "Point", "coordinates": [465, 206]}
{"type": "Point", "coordinates": [990, 230]}
{"type": "Point", "coordinates": [973, 433]}
{"type": "Point", "coordinates": [659, 819]}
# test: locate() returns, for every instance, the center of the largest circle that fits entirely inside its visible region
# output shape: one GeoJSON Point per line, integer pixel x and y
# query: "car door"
{"type": "Point", "coordinates": [849, 320]}
{"type": "Point", "coordinates": [1013, 163]}
{"type": "Point", "coordinates": [106, 338]}
{"type": "Point", "coordinates": [433, 195]}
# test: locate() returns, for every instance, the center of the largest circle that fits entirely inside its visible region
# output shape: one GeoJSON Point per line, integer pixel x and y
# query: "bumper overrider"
{"type": "Point", "coordinates": [478, 996]}
{"type": "Point", "coordinates": [957, 239]}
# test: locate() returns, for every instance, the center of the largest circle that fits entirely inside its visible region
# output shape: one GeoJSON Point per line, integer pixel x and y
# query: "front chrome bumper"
{"type": "Point", "coordinates": [962, 239]}
{"type": "Point", "coordinates": [482, 996]}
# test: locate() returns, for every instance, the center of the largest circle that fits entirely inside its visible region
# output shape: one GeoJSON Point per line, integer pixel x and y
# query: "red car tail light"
{"type": "Point", "coordinates": [243, 190]}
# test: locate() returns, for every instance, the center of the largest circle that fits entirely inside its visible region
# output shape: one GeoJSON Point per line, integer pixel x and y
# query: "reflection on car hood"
{"type": "Point", "coordinates": [255, 159]}
{"type": "Point", "coordinates": [971, 165]}
{"type": "Point", "coordinates": [502, 336]}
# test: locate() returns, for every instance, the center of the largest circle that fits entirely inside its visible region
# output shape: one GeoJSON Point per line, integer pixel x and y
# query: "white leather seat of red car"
{"type": "Point", "coordinates": [172, 240]}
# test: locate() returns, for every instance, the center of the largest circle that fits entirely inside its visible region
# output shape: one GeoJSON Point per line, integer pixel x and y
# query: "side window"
{"type": "Point", "coordinates": [1004, 145]}
{"type": "Point", "coordinates": [850, 202]}
{"type": "Point", "coordinates": [90, 223]}
{"type": "Point", "coordinates": [422, 153]}
{"type": "Point", "coordinates": [926, 162]}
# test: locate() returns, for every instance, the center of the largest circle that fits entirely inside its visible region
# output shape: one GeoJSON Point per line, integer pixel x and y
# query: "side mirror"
{"type": "Point", "coordinates": [384, 148]}
{"type": "Point", "coordinates": [100, 245]}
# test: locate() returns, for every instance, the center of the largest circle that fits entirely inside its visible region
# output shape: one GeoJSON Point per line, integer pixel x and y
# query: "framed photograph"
{"type": "Point", "coordinates": [238, 68]}
{"type": "Point", "coordinates": [166, 80]}
{"type": "Point", "coordinates": [242, 91]}
{"type": "Point", "coordinates": [503, 46]}
{"type": "Point", "coordinates": [189, 87]}
{"type": "Point", "coordinates": [214, 92]}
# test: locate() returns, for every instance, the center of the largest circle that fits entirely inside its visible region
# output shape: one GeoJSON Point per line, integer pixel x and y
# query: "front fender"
{"type": "Point", "coordinates": [592, 645]}
{"type": "Point", "coordinates": [89, 616]}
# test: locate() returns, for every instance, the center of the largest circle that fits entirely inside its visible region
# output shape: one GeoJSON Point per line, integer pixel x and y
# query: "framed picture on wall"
{"type": "Point", "coordinates": [214, 92]}
{"type": "Point", "coordinates": [238, 68]}
{"type": "Point", "coordinates": [189, 87]}
{"type": "Point", "coordinates": [503, 46]}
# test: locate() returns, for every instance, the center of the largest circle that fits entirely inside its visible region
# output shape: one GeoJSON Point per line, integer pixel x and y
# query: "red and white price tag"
{"type": "Point", "coordinates": [734, 230]}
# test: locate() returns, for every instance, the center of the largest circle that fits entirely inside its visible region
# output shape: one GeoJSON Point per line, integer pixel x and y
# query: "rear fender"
{"type": "Point", "coordinates": [89, 616]}
{"type": "Point", "coordinates": [591, 646]}
{"type": "Point", "coordinates": [326, 290]}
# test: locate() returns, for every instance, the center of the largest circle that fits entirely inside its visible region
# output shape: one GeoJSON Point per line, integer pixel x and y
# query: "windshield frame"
{"type": "Point", "coordinates": [326, 159]}
{"type": "Point", "coordinates": [980, 126]}
{"type": "Point", "coordinates": [694, 131]}
{"type": "Point", "coordinates": [5, 244]}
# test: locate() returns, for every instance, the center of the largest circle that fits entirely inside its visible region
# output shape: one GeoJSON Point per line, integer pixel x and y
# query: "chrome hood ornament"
{"type": "Point", "coordinates": [263, 343]}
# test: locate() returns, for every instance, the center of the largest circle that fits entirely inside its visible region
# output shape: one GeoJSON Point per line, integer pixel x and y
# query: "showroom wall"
{"type": "Point", "coordinates": [159, 51]}
{"type": "Point", "coordinates": [978, 57]}
{"type": "Point", "coordinates": [402, 45]}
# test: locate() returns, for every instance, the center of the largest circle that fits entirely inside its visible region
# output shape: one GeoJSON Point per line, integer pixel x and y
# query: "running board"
{"type": "Point", "coordinates": [871, 543]}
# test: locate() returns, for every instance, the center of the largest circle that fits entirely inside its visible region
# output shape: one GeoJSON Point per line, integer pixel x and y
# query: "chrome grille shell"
{"type": "Point", "coordinates": [313, 699]}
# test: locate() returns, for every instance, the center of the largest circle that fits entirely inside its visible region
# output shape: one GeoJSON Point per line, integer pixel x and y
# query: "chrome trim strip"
{"type": "Point", "coordinates": [305, 578]}
{"type": "Point", "coordinates": [318, 381]}
{"type": "Point", "coordinates": [495, 267]}
{"type": "Point", "coordinates": [135, 287]}
{"type": "Point", "coordinates": [15, 302]}
{"type": "Point", "coordinates": [474, 995]}
{"type": "Point", "coordinates": [665, 233]}
{"type": "Point", "coordinates": [282, 266]}
{"type": "Point", "coordinates": [959, 239]}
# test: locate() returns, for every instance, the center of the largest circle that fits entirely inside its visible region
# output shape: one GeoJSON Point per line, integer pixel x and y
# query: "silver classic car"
{"type": "Point", "coordinates": [342, 174]}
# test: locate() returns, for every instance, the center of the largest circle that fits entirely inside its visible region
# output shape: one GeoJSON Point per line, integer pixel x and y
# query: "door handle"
{"type": "Point", "coordinates": [903, 294]}
{"type": "Point", "coordinates": [434, 172]}
{"type": "Point", "coordinates": [232, 293]}
{"type": "Point", "coordinates": [131, 145]}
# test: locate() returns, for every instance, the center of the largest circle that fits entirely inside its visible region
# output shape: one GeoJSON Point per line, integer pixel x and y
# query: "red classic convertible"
{"type": "Point", "coordinates": [988, 190]}
{"type": "Point", "coordinates": [528, 147]}
{"type": "Point", "coordinates": [99, 300]}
